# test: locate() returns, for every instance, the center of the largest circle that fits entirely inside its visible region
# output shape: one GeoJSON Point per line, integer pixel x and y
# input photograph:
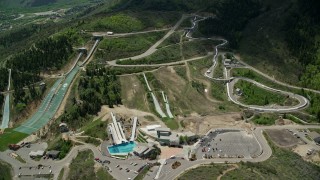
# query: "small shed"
{"type": "Point", "coordinates": [63, 127]}
{"type": "Point", "coordinates": [53, 154]}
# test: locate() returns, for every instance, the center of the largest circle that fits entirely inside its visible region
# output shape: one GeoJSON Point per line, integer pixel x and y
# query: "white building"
{"type": "Point", "coordinates": [116, 131]}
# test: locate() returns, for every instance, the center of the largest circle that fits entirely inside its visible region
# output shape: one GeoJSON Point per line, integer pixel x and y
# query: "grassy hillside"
{"type": "Point", "coordinates": [29, 5]}
{"type": "Point", "coordinates": [263, 44]}
{"type": "Point", "coordinates": [5, 170]}
{"type": "Point", "coordinates": [172, 5]}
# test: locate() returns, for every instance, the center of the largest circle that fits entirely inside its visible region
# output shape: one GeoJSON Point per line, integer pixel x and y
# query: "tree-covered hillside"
{"type": "Point", "coordinates": [28, 5]}
{"type": "Point", "coordinates": [303, 38]}
{"type": "Point", "coordinates": [171, 5]}
{"type": "Point", "coordinates": [231, 18]}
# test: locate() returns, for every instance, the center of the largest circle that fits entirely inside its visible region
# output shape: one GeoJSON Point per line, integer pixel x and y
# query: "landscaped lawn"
{"type": "Point", "coordinates": [207, 172]}
{"type": "Point", "coordinates": [10, 137]}
{"type": "Point", "coordinates": [171, 123]}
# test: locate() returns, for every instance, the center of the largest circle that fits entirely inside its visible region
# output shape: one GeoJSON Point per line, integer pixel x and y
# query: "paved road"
{"type": "Point", "coordinates": [159, 65]}
{"type": "Point", "coordinates": [303, 102]}
{"type": "Point", "coordinates": [276, 81]}
{"type": "Point", "coordinates": [153, 48]}
{"type": "Point", "coordinates": [116, 35]}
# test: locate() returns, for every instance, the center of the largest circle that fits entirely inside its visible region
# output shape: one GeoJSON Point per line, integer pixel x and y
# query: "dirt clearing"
{"type": "Point", "coordinates": [126, 113]}
{"type": "Point", "coordinates": [283, 137]}
{"type": "Point", "coordinates": [183, 98]}
{"type": "Point", "coordinates": [202, 124]}
{"type": "Point", "coordinates": [133, 94]}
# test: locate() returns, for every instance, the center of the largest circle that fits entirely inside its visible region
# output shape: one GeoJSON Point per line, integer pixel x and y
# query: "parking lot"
{"type": "Point", "coordinates": [123, 169]}
{"type": "Point", "coordinates": [228, 143]}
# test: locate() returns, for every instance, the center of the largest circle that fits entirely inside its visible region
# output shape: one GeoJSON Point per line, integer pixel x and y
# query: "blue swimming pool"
{"type": "Point", "coordinates": [122, 148]}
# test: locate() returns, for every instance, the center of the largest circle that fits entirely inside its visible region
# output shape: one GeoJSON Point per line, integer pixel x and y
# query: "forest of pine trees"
{"type": "Point", "coordinates": [96, 88]}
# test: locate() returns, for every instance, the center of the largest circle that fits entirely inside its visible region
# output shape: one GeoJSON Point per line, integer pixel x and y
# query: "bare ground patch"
{"type": "Point", "coordinates": [183, 98]}
{"type": "Point", "coordinates": [133, 93]}
{"type": "Point", "coordinates": [126, 113]}
{"type": "Point", "coordinates": [202, 124]}
{"type": "Point", "coordinates": [283, 137]}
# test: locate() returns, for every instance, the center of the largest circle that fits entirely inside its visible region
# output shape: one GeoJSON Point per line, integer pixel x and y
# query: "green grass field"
{"type": "Point", "coordinates": [130, 21]}
{"type": "Point", "coordinates": [243, 72]}
{"type": "Point", "coordinates": [163, 55]}
{"type": "Point", "coordinates": [254, 95]}
{"type": "Point", "coordinates": [97, 129]}
{"type": "Point", "coordinates": [207, 172]}
{"type": "Point", "coordinates": [143, 173]}
{"type": "Point", "coordinates": [10, 137]}
{"type": "Point", "coordinates": [197, 48]}
{"type": "Point", "coordinates": [181, 71]}
{"type": "Point", "coordinates": [218, 72]}
{"type": "Point", "coordinates": [314, 103]}
{"type": "Point", "coordinates": [102, 174]}
{"type": "Point", "coordinates": [171, 123]}
{"type": "Point", "coordinates": [133, 93]}
{"type": "Point", "coordinates": [38, 5]}
{"type": "Point", "coordinates": [172, 39]}
{"type": "Point", "coordinates": [265, 119]}
{"type": "Point", "coordinates": [117, 48]}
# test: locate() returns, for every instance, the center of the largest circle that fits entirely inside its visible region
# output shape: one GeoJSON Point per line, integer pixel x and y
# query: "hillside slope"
{"type": "Point", "coordinates": [284, 42]}
{"type": "Point", "coordinates": [263, 43]}
{"type": "Point", "coordinates": [46, 4]}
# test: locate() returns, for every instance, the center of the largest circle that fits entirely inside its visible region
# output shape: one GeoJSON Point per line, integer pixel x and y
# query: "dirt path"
{"type": "Point", "coordinates": [188, 71]}
{"type": "Point", "coordinates": [235, 166]}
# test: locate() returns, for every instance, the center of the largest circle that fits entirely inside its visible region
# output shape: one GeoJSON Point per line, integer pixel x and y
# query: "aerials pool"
{"type": "Point", "coordinates": [122, 148]}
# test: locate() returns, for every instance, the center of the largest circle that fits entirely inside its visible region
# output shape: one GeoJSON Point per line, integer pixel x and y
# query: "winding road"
{"type": "Point", "coordinates": [230, 81]}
